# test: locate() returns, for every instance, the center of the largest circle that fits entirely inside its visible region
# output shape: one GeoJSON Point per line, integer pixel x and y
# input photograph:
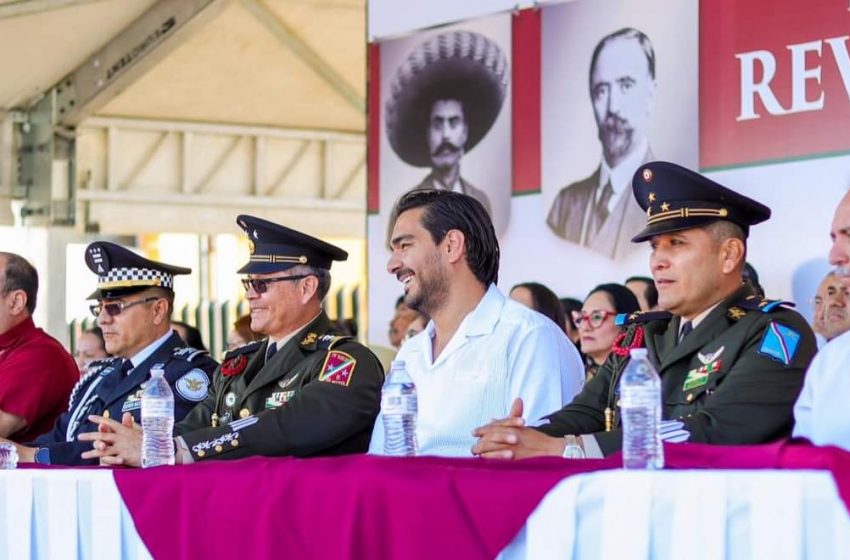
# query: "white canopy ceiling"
{"type": "Point", "coordinates": [282, 63]}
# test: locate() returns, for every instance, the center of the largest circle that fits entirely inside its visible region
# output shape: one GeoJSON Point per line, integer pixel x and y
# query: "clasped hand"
{"type": "Point", "coordinates": [114, 443]}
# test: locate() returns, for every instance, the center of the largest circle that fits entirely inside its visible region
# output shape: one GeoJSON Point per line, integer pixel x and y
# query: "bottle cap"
{"type": "Point", "coordinates": [637, 353]}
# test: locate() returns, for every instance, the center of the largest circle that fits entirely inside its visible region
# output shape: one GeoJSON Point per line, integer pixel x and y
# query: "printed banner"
{"type": "Point", "coordinates": [774, 81]}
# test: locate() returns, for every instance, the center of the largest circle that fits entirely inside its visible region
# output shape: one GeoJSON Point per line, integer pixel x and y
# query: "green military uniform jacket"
{"type": "Point", "coordinates": [318, 395]}
{"type": "Point", "coordinates": [733, 380]}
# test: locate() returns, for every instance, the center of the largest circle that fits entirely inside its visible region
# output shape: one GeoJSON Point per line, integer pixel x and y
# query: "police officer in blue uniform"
{"type": "Point", "coordinates": [135, 298]}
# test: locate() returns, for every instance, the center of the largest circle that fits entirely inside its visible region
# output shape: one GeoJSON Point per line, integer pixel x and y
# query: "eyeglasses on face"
{"type": "Point", "coordinates": [594, 318]}
{"type": "Point", "coordinates": [113, 309]}
{"type": "Point", "coordinates": [261, 285]}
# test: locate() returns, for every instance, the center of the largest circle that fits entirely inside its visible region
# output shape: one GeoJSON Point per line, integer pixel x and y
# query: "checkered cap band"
{"type": "Point", "coordinates": [130, 277]}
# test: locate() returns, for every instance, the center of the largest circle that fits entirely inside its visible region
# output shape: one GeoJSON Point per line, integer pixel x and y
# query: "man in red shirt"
{"type": "Point", "coordinates": [36, 372]}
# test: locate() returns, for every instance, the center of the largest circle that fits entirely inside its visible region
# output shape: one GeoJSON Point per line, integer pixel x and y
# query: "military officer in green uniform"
{"type": "Point", "coordinates": [303, 391]}
{"type": "Point", "coordinates": [731, 363]}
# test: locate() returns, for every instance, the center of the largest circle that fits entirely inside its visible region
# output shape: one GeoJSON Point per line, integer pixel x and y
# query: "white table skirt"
{"type": "Point", "coordinates": [699, 514]}
{"type": "Point", "coordinates": [65, 514]}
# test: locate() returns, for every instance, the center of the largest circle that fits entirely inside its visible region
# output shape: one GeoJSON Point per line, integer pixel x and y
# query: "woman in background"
{"type": "Point", "coordinates": [541, 299]}
{"type": "Point", "coordinates": [89, 347]}
{"type": "Point", "coordinates": [596, 325]}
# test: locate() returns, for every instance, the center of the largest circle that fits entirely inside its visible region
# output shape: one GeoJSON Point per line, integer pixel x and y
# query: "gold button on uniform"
{"type": "Point", "coordinates": [234, 442]}
{"type": "Point", "coordinates": [690, 397]}
{"type": "Point", "coordinates": [106, 414]}
{"type": "Point", "coordinates": [201, 453]}
{"type": "Point", "coordinates": [219, 449]}
{"type": "Point", "coordinates": [244, 413]}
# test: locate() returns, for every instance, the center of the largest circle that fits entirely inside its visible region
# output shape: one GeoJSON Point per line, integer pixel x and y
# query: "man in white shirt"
{"type": "Point", "coordinates": [598, 211]}
{"type": "Point", "coordinates": [480, 349]}
{"type": "Point", "coordinates": [821, 413]}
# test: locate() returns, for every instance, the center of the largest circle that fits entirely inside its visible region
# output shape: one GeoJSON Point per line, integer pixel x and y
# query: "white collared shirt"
{"type": "Point", "coordinates": [621, 175]}
{"type": "Point", "coordinates": [500, 351]}
{"type": "Point", "coordinates": [821, 413]}
{"type": "Point", "coordinates": [698, 319]}
{"type": "Point", "coordinates": [146, 352]}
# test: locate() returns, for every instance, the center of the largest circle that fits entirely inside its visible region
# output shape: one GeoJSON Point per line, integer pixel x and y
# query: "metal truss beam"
{"type": "Point", "coordinates": [126, 57]}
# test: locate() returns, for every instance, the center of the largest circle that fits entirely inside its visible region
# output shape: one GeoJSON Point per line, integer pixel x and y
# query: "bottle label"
{"type": "Point", "coordinates": [398, 404]}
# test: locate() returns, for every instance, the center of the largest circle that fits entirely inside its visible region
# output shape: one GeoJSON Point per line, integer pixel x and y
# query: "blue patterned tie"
{"type": "Point", "coordinates": [126, 366]}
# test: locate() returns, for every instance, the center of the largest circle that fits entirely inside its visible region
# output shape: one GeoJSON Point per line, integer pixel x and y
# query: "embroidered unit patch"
{"type": "Point", "coordinates": [779, 343]}
{"type": "Point", "coordinates": [338, 368]}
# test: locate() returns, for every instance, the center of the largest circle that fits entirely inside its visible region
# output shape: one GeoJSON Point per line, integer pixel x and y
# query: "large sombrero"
{"type": "Point", "coordinates": [458, 65]}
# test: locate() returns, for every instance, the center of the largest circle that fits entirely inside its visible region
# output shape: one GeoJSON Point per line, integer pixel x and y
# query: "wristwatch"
{"type": "Point", "coordinates": [573, 449]}
{"type": "Point", "coordinates": [42, 455]}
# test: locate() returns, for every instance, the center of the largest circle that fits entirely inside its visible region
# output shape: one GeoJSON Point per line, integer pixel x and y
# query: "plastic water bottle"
{"type": "Point", "coordinates": [640, 406]}
{"type": "Point", "coordinates": [399, 407]}
{"type": "Point", "coordinates": [157, 420]}
{"type": "Point", "coordinates": [8, 456]}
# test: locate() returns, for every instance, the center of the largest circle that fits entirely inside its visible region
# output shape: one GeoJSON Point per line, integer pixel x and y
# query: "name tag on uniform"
{"type": "Point", "coordinates": [133, 402]}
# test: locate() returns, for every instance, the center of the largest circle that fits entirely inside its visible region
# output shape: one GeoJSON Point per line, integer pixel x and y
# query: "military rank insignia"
{"type": "Point", "coordinates": [779, 343]}
{"type": "Point", "coordinates": [279, 398]}
{"type": "Point", "coordinates": [338, 368]}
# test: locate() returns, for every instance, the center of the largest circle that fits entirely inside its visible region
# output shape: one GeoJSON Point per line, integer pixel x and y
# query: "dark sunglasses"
{"type": "Point", "coordinates": [595, 318]}
{"type": "Point", "coordinates": [261, 285]}
{"type": "Point", "coordinates": [113, 309]}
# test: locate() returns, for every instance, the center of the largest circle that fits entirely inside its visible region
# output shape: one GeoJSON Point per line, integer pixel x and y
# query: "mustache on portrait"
{"type": "Point", "coordinates": [445, 147]}
{"type": "Point", "coordinates": [615, 124]}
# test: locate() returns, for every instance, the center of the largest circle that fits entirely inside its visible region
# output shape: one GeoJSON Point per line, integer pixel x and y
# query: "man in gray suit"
{"type": "Point", "coordinates": [445, 98]}
{"type": "Point", "coordinates": [597, 212]}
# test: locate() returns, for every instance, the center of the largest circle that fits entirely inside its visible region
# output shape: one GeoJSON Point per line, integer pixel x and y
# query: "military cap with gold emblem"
{"type": "Point", "coordinates": [675, 198]}
{"type": "Point", "coordinates": [121, 272]}
{"type": "Point", "coordinates": [275, 248]}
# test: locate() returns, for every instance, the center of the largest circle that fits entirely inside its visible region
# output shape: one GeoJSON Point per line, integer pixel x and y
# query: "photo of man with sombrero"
{"type": "Point", "coordinates": [445, 97]}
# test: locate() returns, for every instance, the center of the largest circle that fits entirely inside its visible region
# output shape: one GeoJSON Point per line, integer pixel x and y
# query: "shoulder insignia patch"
{"type": "Point", "coordinates": [188, 353]}
{"type": "Point", "coordinates": [755, 303]}
{"type": "Point", "coordinates": [249, 348]}
{"type": "Point", "coordinates": [193, 386]}
{"type": "Point", "coordinates": [338, 368]}
{"type": "Point", "coordinates": [624, 319]}
{"type": "Point", "coordinates": [328, 341]}
{"type": "Point", "coordinates": [779, 343]}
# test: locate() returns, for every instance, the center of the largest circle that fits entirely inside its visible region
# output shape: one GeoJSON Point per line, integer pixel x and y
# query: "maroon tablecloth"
{"type": "Point", "coordinates": [378, 507]}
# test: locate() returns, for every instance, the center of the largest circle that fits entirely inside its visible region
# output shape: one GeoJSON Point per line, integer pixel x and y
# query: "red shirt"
{"type": "Point", "coordinates": [36, 378]}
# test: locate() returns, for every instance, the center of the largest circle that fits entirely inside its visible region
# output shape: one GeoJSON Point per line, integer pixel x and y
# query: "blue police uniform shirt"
{"type": "Point", "coordinates": [106, 388]}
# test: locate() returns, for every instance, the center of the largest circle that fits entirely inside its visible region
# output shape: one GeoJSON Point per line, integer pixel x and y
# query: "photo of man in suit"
{"type": "Point", "coordinates": [597, 212]}
{"type": "Point", "coordinates": [446, 96]}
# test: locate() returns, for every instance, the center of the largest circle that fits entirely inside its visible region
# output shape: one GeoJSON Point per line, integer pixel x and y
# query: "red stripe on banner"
{"type": "Point", "coordinates": [526, 102]}
{"type": "Point", "coordinates": [373, 129]}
